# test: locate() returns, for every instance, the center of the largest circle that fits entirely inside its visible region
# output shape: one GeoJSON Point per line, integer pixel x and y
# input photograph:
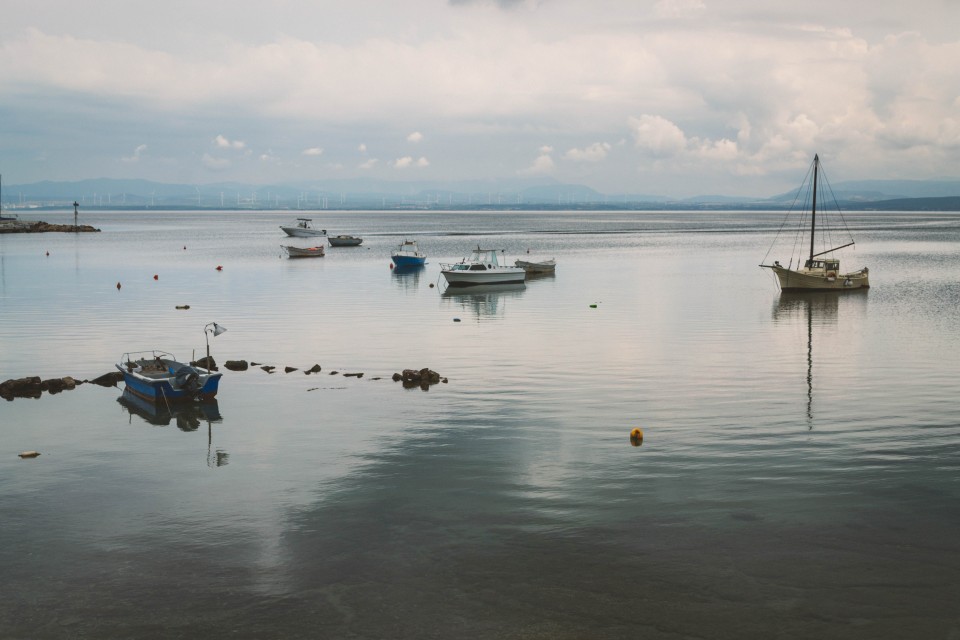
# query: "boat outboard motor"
{"type": "Point", "coordinates": [188, 379]}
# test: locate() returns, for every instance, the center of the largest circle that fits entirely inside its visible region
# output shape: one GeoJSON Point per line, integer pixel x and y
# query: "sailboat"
{"type": "Point", "coordinates": [821, 270]}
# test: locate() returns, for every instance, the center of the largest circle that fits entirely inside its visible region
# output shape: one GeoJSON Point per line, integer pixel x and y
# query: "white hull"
{"type": "Point", "coordinates": [503, 275]}
{"type": "Point", "coordinates": [300, 232]}
{"type": "Point", "coordinates": [344, 241]}
{"type": "Point", "coordinates": [818, 281]}
{"type": "Point", "coordinates": [297, 252]}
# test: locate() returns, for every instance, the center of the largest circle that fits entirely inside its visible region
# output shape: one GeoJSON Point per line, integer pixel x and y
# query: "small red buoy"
{"type": "Point", "coordinates": [156, 277]}
{"type": "Point", "coordinates": [118, 286]}
{"type": "Point", "coordinates": [391, 265]}
{"type": "Point", "coordinates": [48, 253]}
{"type": "Point", "coordinates": [219, 267]}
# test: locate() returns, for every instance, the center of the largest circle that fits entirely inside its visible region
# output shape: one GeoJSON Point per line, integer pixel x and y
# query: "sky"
{"type": "Point", "coordinates": [667, 97]}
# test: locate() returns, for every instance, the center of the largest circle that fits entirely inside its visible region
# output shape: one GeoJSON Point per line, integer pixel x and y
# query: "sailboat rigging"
{"type": "Point", "coordinates": [818, 273]}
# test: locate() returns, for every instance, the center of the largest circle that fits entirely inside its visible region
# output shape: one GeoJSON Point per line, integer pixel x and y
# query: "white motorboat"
{"type": "Point", "coordinates": [303, 229]}
{"type": "Point", "coordinates": [484, 266]}
{"type": "Point", "coordinates": [821, 270]}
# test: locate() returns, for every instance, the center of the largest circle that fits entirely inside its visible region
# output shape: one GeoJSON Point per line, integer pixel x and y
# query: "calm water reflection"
{"type": "Point", "coordinates": [798, 476]}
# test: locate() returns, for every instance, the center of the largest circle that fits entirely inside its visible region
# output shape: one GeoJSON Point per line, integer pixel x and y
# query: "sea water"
{"type": "Point", "coordinates": [798, 474]}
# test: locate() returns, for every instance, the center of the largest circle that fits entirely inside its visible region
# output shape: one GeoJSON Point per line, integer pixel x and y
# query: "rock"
{"type": "Point", "coordinates": [69, 383]}
{"type": "Point", "coordinates": [236, 365]}
{"type": "Point", "coordinates": [289, 369]}
{"type": "Point", "coordinates": [314, 369]}
{"type": "Point", "coordinates": [29, 454]}
{"type": "Point", "coordinates": [268, 368]}
{"type": "Point", "coordinates": [333, 373]}
{"type": "Point", "coordinates": [108, 379]}
{"type": "Point", "coordinates": [53, 385]}
{"type": "Point", "coordinates": [353, 375]}
{"type": "Point", "coordinates": [422, 378]}
{"type": "Point", "coordinates": [30, 387]}
{"type": "Point", "coordinates": [206, 362]}
{"type": "Point", "coordinates": [183, 306]}
{"type": "Point", "coordinates": [254, 364]}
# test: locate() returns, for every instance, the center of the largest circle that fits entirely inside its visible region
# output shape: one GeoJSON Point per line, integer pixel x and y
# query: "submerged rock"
{"type": "Point", "coordinates": [353, 375]}
{"type": "Point", "coordinates": [289, 369]}
{"type": "Point", "coordinates": [108, 379]}
{"type": "Point", "coordinates": [314, 369]}
{"type": "Point", "coordinates": [207, 362]}
{"type": "Point", "coordinates": [422, 378]}
{"type": "Point", "coordinates": [236, 365]}
{"type": "Point", "coordinates": [30, 387]}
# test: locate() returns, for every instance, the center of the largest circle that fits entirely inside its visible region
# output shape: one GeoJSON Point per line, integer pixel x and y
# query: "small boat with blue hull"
{"type": "Point", "coordinates": [408, 254]}
{"type": "Point", "coordinates": [158, 376]}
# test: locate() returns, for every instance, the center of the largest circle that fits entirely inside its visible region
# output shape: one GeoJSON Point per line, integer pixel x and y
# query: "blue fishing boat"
{"type": "Point", "coordinates": [408, 255]}
{"type": "Point", "coordinates": [158, 376]}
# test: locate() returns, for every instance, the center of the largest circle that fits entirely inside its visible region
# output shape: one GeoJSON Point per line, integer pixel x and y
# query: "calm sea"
{"type": "Point", "coordinates": [799, 475]}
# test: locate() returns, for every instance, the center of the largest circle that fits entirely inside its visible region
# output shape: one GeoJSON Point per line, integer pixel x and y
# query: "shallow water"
{"type": "Point", "coordinates": [798, 475]}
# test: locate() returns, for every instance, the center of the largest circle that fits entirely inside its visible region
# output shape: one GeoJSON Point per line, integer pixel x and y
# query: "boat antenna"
{"type": "Point", "coordinates": [813, 212]}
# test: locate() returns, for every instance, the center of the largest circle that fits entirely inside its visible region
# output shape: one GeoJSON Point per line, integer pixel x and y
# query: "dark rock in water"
{"type": "Point", "coordinates": [254, 364]}
{"type": "Point", "coordinates": [207, 362]}
{"type": "Point", "coordinates": [108, 379]}
{"type": "Point", "coordinates": [69, 383]}
{"type": "Point", "coordinates": [353, 375]}
{"type": "Point", "coordinates": [268, 368]}
{"type": "Point", "coordinates": [30, 387]}
{"type": "Point", "coordinates": [314, 369]}
{"type": "Point", "coordinates": [44, 227]}
{"type": "Point", "coordinates": [289, 369]}
{"type": "Point", "coordinates": [53, 385]}
{"type": "Point", "coordinates": [422, 378]}
{"type": "Point", "coordinates": [236, 365]}
{"type": "Point", "coordinates": [333, 373]}
{"type": "Point", "coordinates": [183, 306]}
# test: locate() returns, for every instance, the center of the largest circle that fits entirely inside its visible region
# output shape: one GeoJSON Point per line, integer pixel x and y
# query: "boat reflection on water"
{"type": "Point", "coordinates": [484, 299]}
{"type": "Point", "coordinates": [407, 277]}
{"type": "Point", "coordinates": [820, 308]}
{"type": "Point", "coordinates": [188, 417]}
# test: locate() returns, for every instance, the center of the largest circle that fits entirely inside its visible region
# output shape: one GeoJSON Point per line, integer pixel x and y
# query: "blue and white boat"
{"type": "Point", "coordinates": [158, 376]}
{"type": "Point", "coordinates": [408, 255]}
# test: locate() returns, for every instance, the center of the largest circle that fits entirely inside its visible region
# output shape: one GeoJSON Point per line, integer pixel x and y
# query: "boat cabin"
{"type": "Point", "coordinates": [822, 265]}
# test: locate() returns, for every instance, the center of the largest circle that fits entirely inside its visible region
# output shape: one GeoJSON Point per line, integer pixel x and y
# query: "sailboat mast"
{"type": "Point", "coordinates": [813, 214]}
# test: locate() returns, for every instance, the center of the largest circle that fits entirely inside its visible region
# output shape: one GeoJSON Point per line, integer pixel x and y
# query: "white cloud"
{"type": "Point", "coordinates": [543, 164]}
{"type": "Point", "coordinates": [136, 154]}
{"type": "Point", "coordinates": [678, 8]}
{"type": "Point", "coordinates": [362, 148]}
{"type": "Point", "coordinates": [312, 151]}
{"type": "Point", "coordinates": [416, 136]}
{"type": "Point", "coordinates": [593, 153]}
{"type": "Point", "coordinates": [223, 143]}
{"type": "Point", "coordinates": [408, 161]}
{"type": "Point", "coordinates": [657, 136]}
{"type": "Point", "coordinates": [367, 164]}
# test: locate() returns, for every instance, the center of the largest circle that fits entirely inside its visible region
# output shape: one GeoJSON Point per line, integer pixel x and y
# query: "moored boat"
{"type": "Point", "coordinates": [482, 267]}
{"type": "Point", "coordinates": [408, 254]}
{"type": "Point", "coordinates": [821, 269]}
{"type": "Point", "coordinates": [309, 252]}
{"type": "Point", "coordinates": [542, 266]}
{"type": "Point", "coordinates": [303, 229]}
{"type": "Point", "coordinates": [158, 376]}
{"type": "Point", "coordinates": [344, 241]}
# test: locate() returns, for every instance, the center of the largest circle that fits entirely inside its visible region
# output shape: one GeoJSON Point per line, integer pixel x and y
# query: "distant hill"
{"type": "Point", "coordinates": [518, 193]}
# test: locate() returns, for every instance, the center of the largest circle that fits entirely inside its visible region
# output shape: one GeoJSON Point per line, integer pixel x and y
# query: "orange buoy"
{"type": "Point", "coordinates": [156, 277]}
{"type": "Point", "coordinates": [219, 267]}
{"type": "Point", "coordinates": [391, 265]}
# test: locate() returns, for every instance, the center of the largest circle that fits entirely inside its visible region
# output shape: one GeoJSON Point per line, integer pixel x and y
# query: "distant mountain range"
{"type": "Point", "coordinates": [901, 195]}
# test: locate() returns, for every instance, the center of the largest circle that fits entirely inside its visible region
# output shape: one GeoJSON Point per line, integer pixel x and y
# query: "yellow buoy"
{"type": "Point", "coordinates": [636, 437]}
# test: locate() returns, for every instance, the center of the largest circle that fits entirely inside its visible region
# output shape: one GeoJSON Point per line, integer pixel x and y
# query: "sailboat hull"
{"type": "Point", "coordinates": [800, 281]}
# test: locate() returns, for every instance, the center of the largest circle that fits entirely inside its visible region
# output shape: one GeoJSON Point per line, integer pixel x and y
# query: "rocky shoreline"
{"type": "Point", "coordinates": [20, 226]}
{"type": "Point", "coordinates": [34, 386]}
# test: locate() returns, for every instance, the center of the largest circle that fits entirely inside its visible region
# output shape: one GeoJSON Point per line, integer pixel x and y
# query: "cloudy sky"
{"type": "Point", "coordinates": [671, 97]}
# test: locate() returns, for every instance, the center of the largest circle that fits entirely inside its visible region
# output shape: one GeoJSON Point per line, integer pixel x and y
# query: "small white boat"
{"type": "Point", "coordinates": [303, 229]}
{"type": "Point", "coordinates": [821, 270]}
{"type": "Point", "coordinates": [408, 255]}
{"type": "Point", "coordinates": [482, 267]}
{"type": "Point", "coordinates": [309, 252]}
{"type": "Point", "coordinates": [344, 241]}
{"type": "Point", "coordinates": [543, 266]}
